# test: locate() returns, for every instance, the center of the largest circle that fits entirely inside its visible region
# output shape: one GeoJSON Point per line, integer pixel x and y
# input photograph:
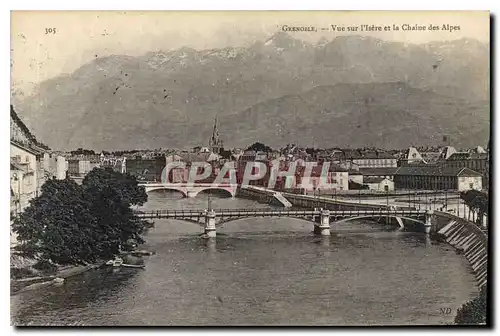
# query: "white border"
{"type": "Point", "coordinates": [190, 5]}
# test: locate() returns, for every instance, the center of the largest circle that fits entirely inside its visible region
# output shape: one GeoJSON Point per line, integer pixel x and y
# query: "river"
{"type": "Point", "coordinates": [263, 272]}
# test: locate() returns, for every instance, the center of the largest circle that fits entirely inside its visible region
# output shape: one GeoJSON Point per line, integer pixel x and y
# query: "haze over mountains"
{"type": "Point", "coordinates": [351, 91]}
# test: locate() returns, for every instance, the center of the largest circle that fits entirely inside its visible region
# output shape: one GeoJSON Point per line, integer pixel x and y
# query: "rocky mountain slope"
{"type": "Point", "coordinates": [169, 99]}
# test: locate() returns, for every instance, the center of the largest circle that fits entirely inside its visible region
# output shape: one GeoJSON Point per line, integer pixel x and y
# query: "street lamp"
{"type": "Point", "coordinates": [446, 200]}
{"type": "Point", "coordinates": [335, 192]}
{"type": "Point", "coordinates": [209, 201]}
{"type": "Point", "coordinates": [387, 200]}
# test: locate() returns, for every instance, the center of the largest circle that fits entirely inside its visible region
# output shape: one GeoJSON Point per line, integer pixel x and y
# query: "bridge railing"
{"type": "Point", "coordinates": [222, 212]}
{"type": "Point", "coordinates": [185, 184]}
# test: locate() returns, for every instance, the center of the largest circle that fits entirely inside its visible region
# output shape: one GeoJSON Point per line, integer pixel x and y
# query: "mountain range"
{"type": "Point", "coordinates": [351, 91]}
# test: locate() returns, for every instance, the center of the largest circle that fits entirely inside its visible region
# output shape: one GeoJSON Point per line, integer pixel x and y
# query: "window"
{"type": "Point", "coordinates": [471, 185]}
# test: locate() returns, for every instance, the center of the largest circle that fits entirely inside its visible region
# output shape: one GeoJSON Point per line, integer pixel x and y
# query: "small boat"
{"type": "Point", "coordinates": [58, 281]}
{"type": "Point", "coordinates": [133, 266]}
{"type": "Point", "coordinates": [142, 253]}
{"type": "Point", "coordinates": [117, 262]}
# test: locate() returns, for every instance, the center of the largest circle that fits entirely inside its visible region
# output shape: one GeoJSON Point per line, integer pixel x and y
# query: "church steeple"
{"type": "Point", "coordinates": [215, 142]}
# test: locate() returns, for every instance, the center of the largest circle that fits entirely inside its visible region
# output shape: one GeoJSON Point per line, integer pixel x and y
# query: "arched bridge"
{"type": "Point", "coordinates": [191, 189]}
{"type": "Point", "coordinates": [321, 217]}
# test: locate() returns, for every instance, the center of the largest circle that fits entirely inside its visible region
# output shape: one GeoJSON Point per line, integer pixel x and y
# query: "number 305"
{"type": "Point", "coordinates": [50, 31]}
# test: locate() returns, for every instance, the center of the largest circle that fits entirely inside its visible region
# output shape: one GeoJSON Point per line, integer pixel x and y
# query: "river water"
{"type": "Point", "coordinates": [263, 272]}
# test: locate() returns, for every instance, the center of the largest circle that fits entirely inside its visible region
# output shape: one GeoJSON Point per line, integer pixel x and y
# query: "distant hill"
{"type": "Point", "coordinates": [390, 115]}
{"type": "Point", "coordinates": [169, 99]}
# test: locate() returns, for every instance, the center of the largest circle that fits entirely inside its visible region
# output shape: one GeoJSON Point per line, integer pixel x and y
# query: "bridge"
{"type": "Point", "coordinates": [190, 189]}
{"type": "Point", "coordinates": [320, 217]}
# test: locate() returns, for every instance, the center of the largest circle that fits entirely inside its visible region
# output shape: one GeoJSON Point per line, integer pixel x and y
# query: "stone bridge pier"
{"type": "Point", "coordinates": [323, 227]}
{"type": "Point", "coordinates": [210, 230]}
{"type": "Point", "coordinates": [429, 219]}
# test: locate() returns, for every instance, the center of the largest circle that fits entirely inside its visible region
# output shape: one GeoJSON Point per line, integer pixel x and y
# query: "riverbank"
{"type": "Point", "coordinates": [38, 279]}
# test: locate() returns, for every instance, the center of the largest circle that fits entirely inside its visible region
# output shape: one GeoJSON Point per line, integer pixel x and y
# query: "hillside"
{"type": "Point", "coordinates": [391, 115]}
{"type": "Point", "coordinates": [169, 99]}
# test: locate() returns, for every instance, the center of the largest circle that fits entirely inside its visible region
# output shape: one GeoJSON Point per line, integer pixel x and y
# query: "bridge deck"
{"type": "Point", "coordinates": [195, 213]}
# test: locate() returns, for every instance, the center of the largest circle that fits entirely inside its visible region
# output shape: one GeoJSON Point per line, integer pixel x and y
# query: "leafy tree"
{"type": "Point", "coordinates": [111, 195]}
{"type": "Point", "coordinates": [477, 202]}
{"type": "Point", "coordinates": [73, 224]}
{"type": "Point", "coordinates": [81, 151]}
{"type": "Point", "coordinates": [473, 312]}
{"type": "Point", "coordinates": [259, 147]}
{"type": "Point", "coordinates": [226, 154]}
{"type": "Point", "coordinates": [54, 225]}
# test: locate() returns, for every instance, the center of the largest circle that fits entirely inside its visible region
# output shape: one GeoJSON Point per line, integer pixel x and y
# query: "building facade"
{"type": "Point", "coordinates": [379, 183]}
{"type": "Point", "coordinates": [437, 178]}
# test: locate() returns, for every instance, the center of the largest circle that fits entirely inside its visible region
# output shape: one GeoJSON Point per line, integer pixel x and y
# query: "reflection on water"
{"type": "Point", "coordinates": [262, 271]}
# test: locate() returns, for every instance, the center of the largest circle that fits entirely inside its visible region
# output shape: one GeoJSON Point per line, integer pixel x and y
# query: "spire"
{"type": "Point", "coordinates": [215, 142]}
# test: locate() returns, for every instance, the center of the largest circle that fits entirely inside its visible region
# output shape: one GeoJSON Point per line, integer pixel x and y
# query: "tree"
{"type": "Point", "coordinates": [55, 225]}
{"type": "Point", "coordinates": [477, 202]}
{"type": "Point", "coordinates": [473, 312]}
{"type": "Point", "coordinates": [111, 195]}
{"type": "Point", "coordinates": [73, 224]}
{"type": "Point", "coordinates": [81, 151]}
{"type": "Point", "coordinates": [226, 154]}
{"type": "Point", "coordinates": [259, 147]}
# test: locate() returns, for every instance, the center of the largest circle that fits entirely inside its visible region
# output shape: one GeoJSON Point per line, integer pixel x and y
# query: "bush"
{"type": "Point", "coordinates": [473, 312]}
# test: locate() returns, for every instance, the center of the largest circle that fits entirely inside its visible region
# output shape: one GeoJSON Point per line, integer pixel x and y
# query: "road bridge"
{"type": "Point", "coordinates": [210, 218]}
{"type": "Point", "coordinates": [190, 189]}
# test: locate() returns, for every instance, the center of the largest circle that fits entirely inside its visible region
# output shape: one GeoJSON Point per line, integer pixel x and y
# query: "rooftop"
{"type": "Point", "coordinates": [373, 179]}
{"type": "Point", "coordinates": [383, 171]}
{"type": "Point", "coordinates": [468, 156]}
{"type": "Point", "coordinates": [435, 171]}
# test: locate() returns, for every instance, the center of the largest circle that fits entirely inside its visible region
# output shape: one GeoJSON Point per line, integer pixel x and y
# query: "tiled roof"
{"type": "Point", "coordinates": [196, 157]}
{"type": "Point", "coordinates": [468, 156]}
{"type": "Point", "coordinates": [27, 147]}
{"type": "Point", "coordinates": [373, 179]}
{"type": "Point", "coordinates": [355, 172]}
{"type": "Point", "coordinates": [368, 154]}
{"type": "Point", "coordinates": [383, 171]}
{"type": "Point", "coordinates": [31, 142]}
{"type": "Point", "coordinates": [435, 171]}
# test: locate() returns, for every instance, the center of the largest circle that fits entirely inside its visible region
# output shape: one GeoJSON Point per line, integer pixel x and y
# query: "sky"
{"type": "Point", "coordinates": [45, 44]}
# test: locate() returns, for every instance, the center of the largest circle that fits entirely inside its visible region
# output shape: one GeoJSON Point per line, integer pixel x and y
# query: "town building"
{"type": "Point", "coordinates": [472, 160]}
{"type": "Point", "coordinates": [437, 178]}
{"type": "Point", "coordinates": [26, 155]}
{"type": "Point", "coordinates": [27, 174]}
{"type": "Point", "coordinates": [55, 165]}
{"type": "Point", "coordinates": [383, 172]}
{"type": "Point", "coordinates": [379, 183]}
{"type": "Point", "coordinates": [81, 166]}
{"type": "Point", "coordinates": [410, 157]}
{"type": "Point", "coordinates": [446, 152]}
{"type": "Point", "coordinates": [117, 164]}
{"type": "Point", "coordinates": [336, 179]}
{"type": "Point", "coordinates": [355, 176]}
{"type": "Point", "coordinates": [146, 169]}
{"type": "Point", "coordinates": [366, 158]}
